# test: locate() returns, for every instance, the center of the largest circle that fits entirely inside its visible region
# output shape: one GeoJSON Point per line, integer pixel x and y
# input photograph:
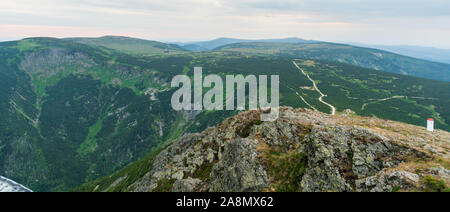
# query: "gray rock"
{"type": "Point", "coordinates": [328, 155]}
{"type": "Point", "coordinates": [186, 185]}
{"type": "Point", "coordinates": [238, 170]}
{"type": "Point", "coordinates": [338, 157]}
{"type": "Point", "coordinates": [386, 182]}
{"type": "Point", "coordinates": [441, 172]}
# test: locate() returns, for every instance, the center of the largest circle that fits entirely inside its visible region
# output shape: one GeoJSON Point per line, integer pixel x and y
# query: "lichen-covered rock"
{"type": "Point", "coordinates": [279, 133]}
{"type": "Point", "coordinates": [441, 171]}
{"type": "Point", "coordinates": [329, 160]}
{"type": "Point", "coordinates": [387, 182]}
{"type": "Point", "coordinates": [186, 185]}
{"type": "Point", "coordinates": [238, 170]}
{"type": "Point", "coordinates": [340, 156]}
{"type": "Point", "coordinates": [174, 162]}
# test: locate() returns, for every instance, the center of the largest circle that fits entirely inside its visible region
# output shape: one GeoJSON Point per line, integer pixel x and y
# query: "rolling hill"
{"type": "Point", "coordinates": [426, 53]}
{"type": "Point", "coordinates": [364, 57]}
{"type": "Point", "coordinates": [132, 46]}
{"type": "Point", "coordinates": [210, 45]}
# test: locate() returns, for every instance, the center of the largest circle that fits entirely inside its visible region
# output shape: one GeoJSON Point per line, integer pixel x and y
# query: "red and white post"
{"type": "Point", "coordinates": [430, 125]}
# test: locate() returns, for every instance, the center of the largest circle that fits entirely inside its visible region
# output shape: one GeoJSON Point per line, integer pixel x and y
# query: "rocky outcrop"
{"type": "Point", "coordinates": [301, 151]}
{"type": "Point", "coordinates": [340, 156]}
{"type": "Point", "coordinates": [50, 61]}
{"type": "Point", "coordinates": [238, 169]}
{"type": "Point", "coordinates": [388, 181]}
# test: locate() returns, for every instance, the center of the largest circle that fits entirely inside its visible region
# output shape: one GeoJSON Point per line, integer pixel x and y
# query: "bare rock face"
{"type": "Point", "coordinates": [338, 157]}
{"type": "Point", "coordinates": [301, 151]}
{"type": "Point", "coordinates": [239, 170]}
{"type": "Point", "coordinates": [387, 181]}
{"type": "Point", "coordinates": [186, 185]}
{"type": "Point", "coordinates": [183, 157]}
{"type": "Point", "coordinates": [49, 61]}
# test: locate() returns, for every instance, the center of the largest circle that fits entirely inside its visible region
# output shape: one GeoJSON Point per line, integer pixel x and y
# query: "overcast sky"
{"type": "Point", "coordinates": [413, 22]}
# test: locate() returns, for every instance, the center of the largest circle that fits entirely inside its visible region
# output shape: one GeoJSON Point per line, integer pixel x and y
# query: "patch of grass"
{"type": "Point", "coordinates": [435, 185]}
{"type": "Point", "coordinates": [90, 144]}
{"type": "Point", "coordinates": [133, 173]}
{"type": "Point", "coordinates": [164, 185]}
{"type": "Point", "coordinates": [203, 172]}
{"type": "Point", "coordinates": [245, 131]}
{"type": "Point", "coordinates": [177, 128]}
{"type": "Point", "coordinates": [26, 45]}
{"type": "Point", "coordinates": [396, 188]}
{"type": "Point", "coordinates": [186, 70]}
{"type": "Point", "coordinates": [444, 163]}
{"type": "Point", "coordinates": [286, 170]}
{"type": "Point", "coordinates": [42, 82]}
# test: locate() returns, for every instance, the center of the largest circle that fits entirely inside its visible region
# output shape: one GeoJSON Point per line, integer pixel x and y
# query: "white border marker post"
{"type": "Point", "coordinates": [430, 125]}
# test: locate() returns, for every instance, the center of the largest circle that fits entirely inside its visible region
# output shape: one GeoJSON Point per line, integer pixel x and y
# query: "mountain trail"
{"type": "Point", "coordinates": [333, 109]}
{"type": "Point", "coordinates": [393, 97]}
{"type": "Point", "coordinates": [303, 99]}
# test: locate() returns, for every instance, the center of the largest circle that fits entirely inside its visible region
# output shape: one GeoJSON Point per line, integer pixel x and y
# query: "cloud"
{"type": "Point", "coordinates": [345, 8]}
{"type": "Point", "coordinates": [381, 21]}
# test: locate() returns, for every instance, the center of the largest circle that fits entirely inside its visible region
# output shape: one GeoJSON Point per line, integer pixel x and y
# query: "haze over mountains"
{"type": "Point", "coordinates": [130, 45]}
{"type": "Point", "coordinates": [210, 45]}
{"type": "Point", "coordinates": [289, 47]}
{"type": "Point", "coordinates": [426, 53]}
{"type": "Point", "coordinates": [78, 109]}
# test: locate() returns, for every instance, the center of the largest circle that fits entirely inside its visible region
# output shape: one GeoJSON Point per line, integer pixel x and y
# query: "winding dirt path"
{"type": "Point", "coordinates": [303, 99]}
{"type": "Point", "coordinates": [380, 100]}
{"type": "Point", "coordinates": [393, 97]}
{"type": "Point", "coordinates": [333, 109]}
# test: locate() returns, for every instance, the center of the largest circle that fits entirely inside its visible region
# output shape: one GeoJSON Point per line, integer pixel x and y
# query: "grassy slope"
{"type": "Point", "coordinates": [131, 45]}
{"type": "Point", "coordinates": [367, 92]}
{"type": "Point", "coordinates": [346, 87]}
{"type": "Point", "coordinates": [365, 57]}
{"type": "Point", "coordinates": [124, 179]}
{"type": "Point", "coordinates": [79, 136]}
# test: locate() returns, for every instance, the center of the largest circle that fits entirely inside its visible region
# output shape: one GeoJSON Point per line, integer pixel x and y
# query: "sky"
{"type": "Point", "coordinates": [388, 22]}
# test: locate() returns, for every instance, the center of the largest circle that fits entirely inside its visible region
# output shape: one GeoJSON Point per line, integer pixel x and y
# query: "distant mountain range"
{"type": "Point", "coordinates": [129, 45]}
{"type": "Point", "coordinates": [146, 47]}
{"type": "Point", "coordinates": [427, 53]}
{"type": "Point", "coordinates": [359, 56]}
{"type": "Point", "coordinates": [210, 45]}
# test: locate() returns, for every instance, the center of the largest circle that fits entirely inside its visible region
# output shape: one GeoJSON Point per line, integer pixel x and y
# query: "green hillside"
{"type": "Point", "coordinates": [364, 91]}
{"type": "Point", "coordinates": [364, 57]}
{"type": "Point", "coordinates": [212, 44]}
{"type": "Point", "coordinates": [132, 45]}
{"type": "Point", "coordinates": [73, 113]}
